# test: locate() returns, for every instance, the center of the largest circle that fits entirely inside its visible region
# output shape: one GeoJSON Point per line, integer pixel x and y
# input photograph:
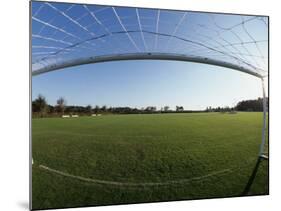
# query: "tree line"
{"type": "Point", "coordinates": [252, 105]}
{"type": "Point", "coordinates": [40, 108]}
{"type": "Point", "coordinates": [244, 105]}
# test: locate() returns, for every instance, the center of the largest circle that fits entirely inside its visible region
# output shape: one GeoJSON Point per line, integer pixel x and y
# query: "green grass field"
{"type": "Point", "coordinates": [118, 159]}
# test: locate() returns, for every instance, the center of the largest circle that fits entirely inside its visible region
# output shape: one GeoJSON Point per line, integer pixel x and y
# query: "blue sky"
{"type": "Point", "coordinates": [147, 83]}
{"type": "Point", "coordinates": [59, 32]}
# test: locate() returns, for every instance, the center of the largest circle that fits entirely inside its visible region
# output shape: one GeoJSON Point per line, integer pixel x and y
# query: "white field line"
{"type": "Point", "coordinates": [131, 184]}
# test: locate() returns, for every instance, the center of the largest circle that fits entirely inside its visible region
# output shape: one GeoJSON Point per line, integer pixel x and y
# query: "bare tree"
{"type": "Point", "coordinates": [89, 109]}
{"type": "Point", "coordinates": [96, 109]}
{"type": "Point", "coordinates": [179, 108]}
{"type": "Point", "coordinates": [61, 103]}
{"type": "Point", "coordinates": [166, 108]}
{"type": "Point", "coordinates": [40, 105]}
{"type": "Point", "coordinates": [104, 108]}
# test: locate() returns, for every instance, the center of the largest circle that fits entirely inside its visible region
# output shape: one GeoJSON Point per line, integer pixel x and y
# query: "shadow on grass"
{"type": "Point", "coordinates": [252, 177]}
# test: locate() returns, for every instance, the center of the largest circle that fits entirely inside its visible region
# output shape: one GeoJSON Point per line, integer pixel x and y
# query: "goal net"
{"type": "Point", "coordinates": [66, 35]}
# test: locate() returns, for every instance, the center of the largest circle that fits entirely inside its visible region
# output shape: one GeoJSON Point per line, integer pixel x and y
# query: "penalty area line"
{"type": "Point", "coordinates": [131, 184]}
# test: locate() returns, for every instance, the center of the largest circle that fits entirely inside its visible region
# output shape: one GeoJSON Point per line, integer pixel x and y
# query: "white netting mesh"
{"type": "Point", "coordinates": [64, 32]}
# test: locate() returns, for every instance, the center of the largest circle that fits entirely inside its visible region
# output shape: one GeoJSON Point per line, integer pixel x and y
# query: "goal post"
{"type": "Point", "coordinates": [262, 146]}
